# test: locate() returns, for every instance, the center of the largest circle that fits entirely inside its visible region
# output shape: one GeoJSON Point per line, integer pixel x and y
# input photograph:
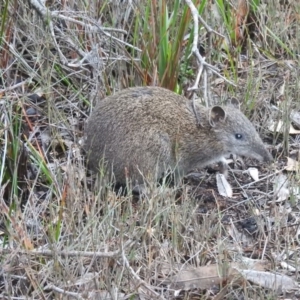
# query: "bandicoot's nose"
{"type": "Point", "coordinates": [263, 153]}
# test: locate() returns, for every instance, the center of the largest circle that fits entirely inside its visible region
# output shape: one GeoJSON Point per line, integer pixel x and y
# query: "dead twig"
{"type": "Point", "coordinates": [70, 253]}
{"type": "Point", "coordinates": [64, 292]}
{"type": "Point", "coordinates": [203, 65]}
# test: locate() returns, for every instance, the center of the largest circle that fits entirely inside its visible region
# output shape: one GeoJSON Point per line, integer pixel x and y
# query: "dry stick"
{"type": "Point", "coordinates": [260, 179]}
{"type": "Point", "coordinates": [195, 49]}
{"type": "Point", "coordinates": [196, 112]}
{"type": "Point", "coordinates": [63, 291]}
{"type": "Point", "coordinates": [4, 151]}
{"type": "Point", "coordinates": [10, 88]}
{"type": "Point", "coordinates": [248, 185]}
{"type": "Point", "coordinates": [96, 28]}
{"type": "Point", "coordinates": [203, 65]}
{"type": "Point", "coordinates": [91, 28]}
{"type": "Point", "coordinates": [205, 92]}
{"type": "Point", "coordinates": [74, 294]}
{"type": "Point", "coordinates": [71, 253]}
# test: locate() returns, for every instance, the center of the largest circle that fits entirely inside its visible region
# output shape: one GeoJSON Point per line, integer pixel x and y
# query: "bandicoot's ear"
{"type": "Point", "coordinates": [234, 102]}
{"type": "Point", "coordinates": [216, 114]}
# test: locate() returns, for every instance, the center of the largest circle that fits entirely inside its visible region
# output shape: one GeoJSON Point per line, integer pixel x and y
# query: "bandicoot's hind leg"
{"type": "Point", "coordinates": [147, 161]}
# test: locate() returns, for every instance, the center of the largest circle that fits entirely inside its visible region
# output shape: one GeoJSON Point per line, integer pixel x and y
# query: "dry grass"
{"type": "Point", "coordinates": [66, 235]}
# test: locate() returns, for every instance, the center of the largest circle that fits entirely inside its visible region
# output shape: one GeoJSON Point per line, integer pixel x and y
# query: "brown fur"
{"type": "Point", "coordinates": [146, 130]}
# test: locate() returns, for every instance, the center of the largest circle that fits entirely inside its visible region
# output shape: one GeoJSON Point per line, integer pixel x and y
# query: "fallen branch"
{"type": "Point", "coordinates": [69, 253]}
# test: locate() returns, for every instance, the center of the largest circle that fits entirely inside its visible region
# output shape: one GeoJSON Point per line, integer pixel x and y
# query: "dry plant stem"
{"type": "Point", "coordinates": [15, 86]}
{"type": "Point", "coordinates": [254, 182]}
{"type": "Point", "coordinates": [4, 150]}
{"type": "Point", "coordinates": [47, 15]}
{"type": "Point", "coordinates": [95, 28]}
{"type": "Point", "coordinates": [202, 63]}
{"type": "Point", "coordinates": [236, 205]}
{"type": "Point", "coordinates": [205, 92]}
{"type": "Point", "coordinates": [31, 72]}
{"type": "Point", "coordinates": [139, 280]}
{"type": "Point", "coordinates": [32, 129]}
{"type": "Point", "coordinates": [64, 292]}
{"type": "Point", "coordinates": [265, 247]}
{"type": "Point", "coordinates": [196, 111]}
{"type": "Point", "coordinates": [71, 253]}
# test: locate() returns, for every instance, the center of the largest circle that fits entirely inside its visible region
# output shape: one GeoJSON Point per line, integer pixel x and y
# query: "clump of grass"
{"type": "Point", "coordinates": [162, 35]}
{"type": "Point", "coordinates": [14, 159]}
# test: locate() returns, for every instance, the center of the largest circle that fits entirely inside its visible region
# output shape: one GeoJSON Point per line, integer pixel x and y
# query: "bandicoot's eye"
{"type": "Point", "coordinates": [238, 136]}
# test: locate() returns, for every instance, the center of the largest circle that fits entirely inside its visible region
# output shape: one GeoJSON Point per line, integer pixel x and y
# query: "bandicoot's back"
{"type": "Point", "coordinates": [142, 132]}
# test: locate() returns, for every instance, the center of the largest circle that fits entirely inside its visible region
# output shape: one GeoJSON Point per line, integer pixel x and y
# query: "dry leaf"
{"type": "Point", "coordinates": [292, 165]}
{"type": "Point", "coordinates": [208, 277]}
{"type": "Point", "coordinates": [279, 127]}
{"type": "Point", "coordinates": [295, 117]}
{"type": "Point", "coordinates": [204, 277]}
{"type": "Point", "coordinates": [286, 266]}
{"type": "Point", "coordinates": [276, 126]}
{"type": "Point", "coordinates": [293, 130]}
{"type": "Point", "coordinates": [223, 185]}
{"type": "Point", "coordinates": [253, 172]}
{"type": "Point", "coordinates": [253, 264]}
{"type": "Point", "coordinates": [280, 283]}
{"type": "Point", "coordinates": [281, 90]}
{"type": "Point", "coordinates": [281, 187]}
